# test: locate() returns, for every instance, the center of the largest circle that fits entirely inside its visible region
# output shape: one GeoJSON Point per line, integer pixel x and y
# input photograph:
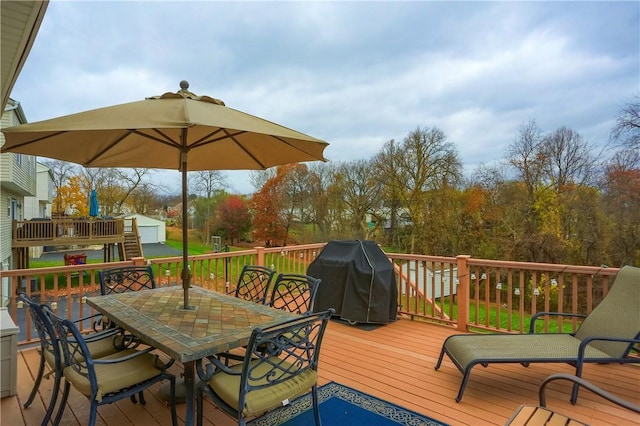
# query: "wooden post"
{"type": "Point", "coordinates": [463, 292]}
{"type": "Point", "coordinates": [260, 255]}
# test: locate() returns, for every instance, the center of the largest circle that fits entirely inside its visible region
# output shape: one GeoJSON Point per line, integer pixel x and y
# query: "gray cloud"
{"type": "Point", "coordinates": [356, 74]}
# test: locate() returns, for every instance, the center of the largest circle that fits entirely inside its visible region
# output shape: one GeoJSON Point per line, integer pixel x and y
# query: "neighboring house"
{"type": "Point", "coordinates": [150, 230]}
{"type": "Point", "coordinates": [17, 181]}
{"type": "Point", "coordinates": [40, 205]}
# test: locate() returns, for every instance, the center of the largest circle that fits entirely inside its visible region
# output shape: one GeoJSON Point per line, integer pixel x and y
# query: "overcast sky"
{"type": "Point", "coordinates": [355, 74]}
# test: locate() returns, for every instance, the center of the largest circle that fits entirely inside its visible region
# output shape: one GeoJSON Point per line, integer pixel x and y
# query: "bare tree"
{"type": "Point", "coordinates": [362, 190]}
{"type": "Point", "coordinates": [62, 171]}
{"type": "Point", "coordinates": [324, 208]}
{"type": "Point", "coordinates": [116, 187]}
{"type": "Point", "coordinates": [390, 176]}
{"type": "Point", "coordinates": [627, 129]}
{"type": "Point", "coordinates": [424, 162]}
{"type": "Point", "coordinates": [207, 182]}
{"type": "Point", "coordinates": [567, 159]}
{"type": "Point", "coordinates": [525, 157]}
{"type": "Point", "coordinates": [259, 178]}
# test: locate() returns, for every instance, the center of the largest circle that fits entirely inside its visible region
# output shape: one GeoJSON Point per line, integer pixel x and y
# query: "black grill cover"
{"type": "Point", "coordinates": [358, 281]}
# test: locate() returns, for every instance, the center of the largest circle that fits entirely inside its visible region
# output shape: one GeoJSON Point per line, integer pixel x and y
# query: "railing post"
{"type": "Point", "coordinates": [260, 255]}
{"type": "Point", "coordinates": [139, 261]}
{"type": "Point", "coordinates": [462, 293]}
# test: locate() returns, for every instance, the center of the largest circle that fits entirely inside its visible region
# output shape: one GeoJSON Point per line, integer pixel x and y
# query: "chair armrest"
{"type": "Point", "coordinates": [588, 340]}
{"type": "Point", "coordinates": [131, 355]}
{"type": "Point", "coordinates": [102, 334]}
{"type": "Point", "coordinates": [205, 372]}
{"type": "Point", "coordinates": [534, 318]}
{"type": "Point", "coordinates": [593, 388]}
{"type": "Point", "coordinates": [88, 317]}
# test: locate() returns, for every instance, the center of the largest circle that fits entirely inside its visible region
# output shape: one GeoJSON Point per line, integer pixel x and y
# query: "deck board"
{"type": "Point", "coordinates": [394, 362]}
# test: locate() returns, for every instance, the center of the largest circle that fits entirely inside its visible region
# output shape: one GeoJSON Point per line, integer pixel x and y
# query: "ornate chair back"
{"type": "Point", "coordinates": [127, 278]}
{"type": "Point", "coordinates": [294, 293]}
{"type": "Point", "coordinates": [280, 363]}
{"type": "Point", "coordinates": [253, 283]}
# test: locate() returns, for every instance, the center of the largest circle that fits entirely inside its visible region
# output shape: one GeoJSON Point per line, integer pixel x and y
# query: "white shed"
{"type": "Point", "coordinates": [151, 230]}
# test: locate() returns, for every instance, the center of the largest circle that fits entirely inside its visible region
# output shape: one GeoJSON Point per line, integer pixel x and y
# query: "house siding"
{"type": "Point", "coordinates": [18, 179]}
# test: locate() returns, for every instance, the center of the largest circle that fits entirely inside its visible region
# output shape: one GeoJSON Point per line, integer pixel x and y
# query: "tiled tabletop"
{"type": "Point", "coordinates": [218, 323]}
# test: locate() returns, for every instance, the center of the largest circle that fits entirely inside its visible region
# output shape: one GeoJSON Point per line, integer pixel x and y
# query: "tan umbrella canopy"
{"type": "Point", "coordinates": [179, 131]}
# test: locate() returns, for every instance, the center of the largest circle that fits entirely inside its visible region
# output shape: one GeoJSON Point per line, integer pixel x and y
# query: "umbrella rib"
{"type": "Point", "coordinates": [167, 139]}
{"type": "Point", "coordinates": [284, 141]}
{"type": "Point", "coordinates": [129, 132]}
{"type": "Point", "coordinates": [233, 138]}
{"type": "Point", "coordinates": [29, 142]}
{"type": "Point", "coordinates": [205, 139]}
{"type": "Point", "coordinates": [107, 148]}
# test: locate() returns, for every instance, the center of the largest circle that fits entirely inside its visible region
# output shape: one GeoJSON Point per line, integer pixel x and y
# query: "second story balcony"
{"type": "Point", "coordinates": [65, 232]}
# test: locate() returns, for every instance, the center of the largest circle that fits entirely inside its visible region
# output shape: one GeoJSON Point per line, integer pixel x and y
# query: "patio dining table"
{"type": "Point", "coordinates": [214, 323]}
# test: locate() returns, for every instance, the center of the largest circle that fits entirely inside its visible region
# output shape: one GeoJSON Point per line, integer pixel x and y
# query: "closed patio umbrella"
{"type": "Point", "coordinates": [178, 131]}
{"type": "Point", "coordinates": [93, 203]}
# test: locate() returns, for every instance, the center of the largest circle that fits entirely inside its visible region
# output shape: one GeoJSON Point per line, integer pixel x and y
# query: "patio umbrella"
{"type": "Point", "coordinates": [179, 131]}
{"type": "Point", "coordinates": [93, 203]}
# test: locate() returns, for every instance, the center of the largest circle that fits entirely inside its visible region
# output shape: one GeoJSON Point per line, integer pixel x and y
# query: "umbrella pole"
{"type": "Point", "coordinates": [186, 274]}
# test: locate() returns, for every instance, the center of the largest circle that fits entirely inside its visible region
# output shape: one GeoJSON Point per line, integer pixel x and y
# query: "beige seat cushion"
{"type": "Point", "coordinates": [113, 377]}
{"type": "Point", "coordinates": [227, 387]}
{"type": "Point", "coordinates": [98, 349]}
{"type": "Point", "coordinates": [102, 347]}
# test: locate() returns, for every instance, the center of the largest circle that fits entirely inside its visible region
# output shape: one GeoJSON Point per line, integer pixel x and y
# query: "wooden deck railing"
{"type": "Point", "coordinates": [491, 295]}
{"type": "Point", "coordinates": [467, 293]}
{"type": "Point", "coordinates": [68, 231]}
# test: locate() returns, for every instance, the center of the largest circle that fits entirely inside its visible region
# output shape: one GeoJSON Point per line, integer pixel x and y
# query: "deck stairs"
{"type": "Point", "coordinates": [132, 247]}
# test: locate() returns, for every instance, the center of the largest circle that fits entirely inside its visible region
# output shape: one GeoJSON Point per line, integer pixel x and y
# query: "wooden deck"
{"type": "Point", "coordinates": [393, 362]}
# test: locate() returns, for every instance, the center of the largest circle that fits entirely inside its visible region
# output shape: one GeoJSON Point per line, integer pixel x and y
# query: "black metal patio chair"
{"type": "Point", "coordinates": [126, 278]}
{"type": "Point", "coordinates": [280, 363]}
{"type": "Point", "coordinates": [253, 283]}
{"type": "Point", "coordinates": [108, 379]}
{"type": "Point", "coordinates": [98, 344]}
{"type": "Point", "coordinates": [294, 293]}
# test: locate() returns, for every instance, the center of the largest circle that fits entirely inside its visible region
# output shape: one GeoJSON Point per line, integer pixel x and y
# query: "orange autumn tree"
{"type": "Point", "coordinates": [233, 219]}
{"type": "Point", "coordinates": [268, 225]}
{"type": "Point", "coordinates": [277, 204]}
{"type": "Point", "coordinates": [73, 197]}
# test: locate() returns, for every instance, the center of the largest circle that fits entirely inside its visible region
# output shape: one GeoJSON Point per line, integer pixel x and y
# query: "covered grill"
{"type": "Point", "coordinates": [358, 281]}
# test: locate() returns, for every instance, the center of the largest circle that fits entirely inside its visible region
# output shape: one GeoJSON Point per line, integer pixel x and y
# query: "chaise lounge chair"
{"type": "Point", "coordinates": [606, 335]}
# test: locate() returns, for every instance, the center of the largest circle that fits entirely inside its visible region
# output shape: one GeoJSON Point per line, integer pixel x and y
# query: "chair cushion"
{"type": "Point", "coordinates": [227, 387]}
{"type": "Point", "coordinates": [114, 377]}
{"type": "Point", "coordinates": [102, 347]}
{"type": "Point", "coordinates": [50, 358]}
{"type": "Point", "coordinates": [468, 349]}
{"type": "Point", "coordinates": [97, 348]}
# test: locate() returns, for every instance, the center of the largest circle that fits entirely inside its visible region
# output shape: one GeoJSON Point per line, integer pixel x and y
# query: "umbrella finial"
{"type": "Point", "coordinates": [185, 93]}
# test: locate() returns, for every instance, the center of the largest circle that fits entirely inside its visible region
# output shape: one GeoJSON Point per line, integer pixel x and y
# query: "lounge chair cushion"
{"type": "Point", "coordinates": [618, 316]}
{"type": "Point", "coordinates": [469, 349]}
{"type": "Point", "coordinates": [117, 376]}
{"type": "Point", "coordinates": [227, 387]}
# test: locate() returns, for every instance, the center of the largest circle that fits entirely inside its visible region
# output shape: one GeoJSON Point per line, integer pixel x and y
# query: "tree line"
{"type": "Point", "coordinates": [552, 198]}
